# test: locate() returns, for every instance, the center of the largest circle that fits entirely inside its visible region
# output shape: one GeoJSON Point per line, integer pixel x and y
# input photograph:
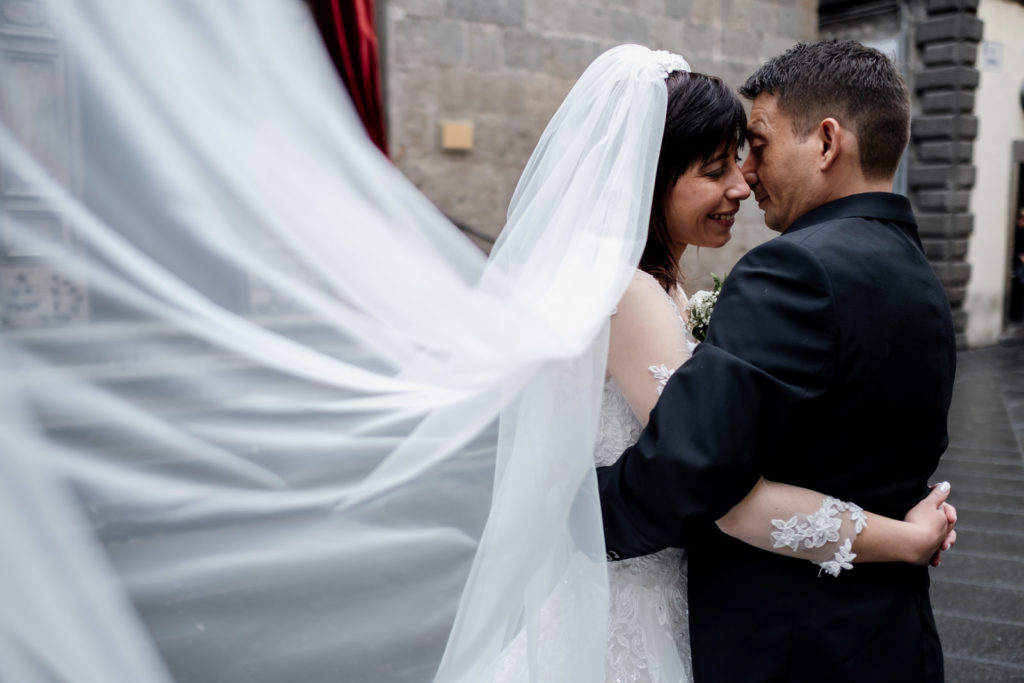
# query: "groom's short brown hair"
{"type": "Point", "coordinates": [857, 85]}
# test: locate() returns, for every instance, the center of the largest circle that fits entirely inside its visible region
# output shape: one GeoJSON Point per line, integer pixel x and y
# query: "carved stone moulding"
{"type": "Point", "coordinates": [37, 296]}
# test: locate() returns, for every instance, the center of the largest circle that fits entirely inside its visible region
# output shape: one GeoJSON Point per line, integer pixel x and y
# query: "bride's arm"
{"type": "Point", "coordinates": [833, 534]}
{"type": "Point", "coordinates": [647, 344]}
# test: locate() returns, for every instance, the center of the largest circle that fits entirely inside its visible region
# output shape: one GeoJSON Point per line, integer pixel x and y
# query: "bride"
{"type": "Point", "coordinates": [267, 415]}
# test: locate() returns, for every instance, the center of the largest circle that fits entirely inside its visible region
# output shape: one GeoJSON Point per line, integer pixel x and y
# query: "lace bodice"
{"type": "Point", "coordinates": [648, 634]}
{"type": "Point", "coordinates": [618, 427]}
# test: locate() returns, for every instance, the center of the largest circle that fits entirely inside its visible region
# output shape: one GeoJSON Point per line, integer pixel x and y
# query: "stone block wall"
{"type": "Point", "coordinates": [505, 65]}
{"type": "Point", "coordinates": [941, 176]}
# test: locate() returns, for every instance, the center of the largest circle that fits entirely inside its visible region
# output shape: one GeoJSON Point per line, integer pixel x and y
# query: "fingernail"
{"type": "Point", "coordinates": [944, 486]}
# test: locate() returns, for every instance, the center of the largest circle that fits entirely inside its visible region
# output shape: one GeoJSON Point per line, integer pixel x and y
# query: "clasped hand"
{"type": "Point", "coordinates": [936, 519]}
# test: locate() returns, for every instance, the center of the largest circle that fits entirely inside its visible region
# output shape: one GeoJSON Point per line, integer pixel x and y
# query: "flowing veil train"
{"type": "Point", "coordinates": [266, 414]}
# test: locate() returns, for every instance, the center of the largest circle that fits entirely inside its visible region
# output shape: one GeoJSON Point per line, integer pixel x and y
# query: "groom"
{"type": "Point", "coordinates": [829, 365]}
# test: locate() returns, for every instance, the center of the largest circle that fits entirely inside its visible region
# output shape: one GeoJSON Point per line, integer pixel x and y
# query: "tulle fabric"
{"type": "Point", "coordinates": [303, 430]}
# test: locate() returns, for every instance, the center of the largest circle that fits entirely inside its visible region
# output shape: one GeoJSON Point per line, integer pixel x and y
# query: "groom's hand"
{"type": "Point", "coordinates": [936, 518]}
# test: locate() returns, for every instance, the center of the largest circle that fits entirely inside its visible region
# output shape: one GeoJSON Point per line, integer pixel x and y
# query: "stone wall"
{"type": "Point", "coordinates": [942, 141]}
{"type": "Point", "coordinates": [505, 65]}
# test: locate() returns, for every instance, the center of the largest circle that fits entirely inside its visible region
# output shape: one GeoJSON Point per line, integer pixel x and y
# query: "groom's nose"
{"type": "Point", "coordinates": [749, 172]}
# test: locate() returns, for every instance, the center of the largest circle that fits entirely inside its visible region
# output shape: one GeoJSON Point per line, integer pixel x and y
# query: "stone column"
{"type": "Point", "coordinates": [38, 108]}
{"type": "Point", "coordinates": [941, 172]}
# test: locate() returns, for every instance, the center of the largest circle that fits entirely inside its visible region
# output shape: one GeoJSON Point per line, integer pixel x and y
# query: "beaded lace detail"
{"type": "Point", "coordinates": [819, 528]}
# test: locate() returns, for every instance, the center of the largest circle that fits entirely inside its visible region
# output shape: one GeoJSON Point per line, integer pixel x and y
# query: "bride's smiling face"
{"type": "Point", "coordinates": [701, 207]}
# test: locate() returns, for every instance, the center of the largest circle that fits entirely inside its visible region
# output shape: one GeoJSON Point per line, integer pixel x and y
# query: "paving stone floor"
{"type": "Point", "coordinates": [978, 592]}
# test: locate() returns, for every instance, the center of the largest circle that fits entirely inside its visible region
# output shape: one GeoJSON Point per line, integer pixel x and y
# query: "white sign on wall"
{"type": "Point", "coordinates": [991, 56]}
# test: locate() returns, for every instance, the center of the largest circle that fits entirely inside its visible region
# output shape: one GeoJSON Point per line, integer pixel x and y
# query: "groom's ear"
{"type": "Point", "coordinates": [830, 142]}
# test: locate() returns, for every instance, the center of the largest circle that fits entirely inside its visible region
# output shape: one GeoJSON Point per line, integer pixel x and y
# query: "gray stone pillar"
{"type": "Point", "coordinates": [941, 171]}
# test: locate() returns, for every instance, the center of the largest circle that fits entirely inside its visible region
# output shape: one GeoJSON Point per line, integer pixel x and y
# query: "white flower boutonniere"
{"type": "Point", "coordinates": [699, 308]}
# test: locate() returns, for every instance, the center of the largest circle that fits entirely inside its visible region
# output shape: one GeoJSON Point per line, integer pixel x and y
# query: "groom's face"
{"type": "Point", "coordinates": [779, 167]}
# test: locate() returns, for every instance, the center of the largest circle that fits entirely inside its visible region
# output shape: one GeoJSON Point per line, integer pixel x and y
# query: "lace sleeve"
{"type": "Point", "coordinates": [647, 343]}
{"type": "Point", "coordinates": [799, 522]}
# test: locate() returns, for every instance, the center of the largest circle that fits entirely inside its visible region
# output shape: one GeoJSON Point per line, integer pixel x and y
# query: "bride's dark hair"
{"type": "Point", "coordinates": [704, 116]}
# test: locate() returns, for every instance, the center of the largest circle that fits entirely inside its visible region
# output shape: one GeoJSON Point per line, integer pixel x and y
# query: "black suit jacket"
{"type": "Point", "coordinates": [829, 364]}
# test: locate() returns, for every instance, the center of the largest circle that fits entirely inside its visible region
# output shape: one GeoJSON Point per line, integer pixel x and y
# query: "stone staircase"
{"type": "Point", "coordinates": [978, 592]}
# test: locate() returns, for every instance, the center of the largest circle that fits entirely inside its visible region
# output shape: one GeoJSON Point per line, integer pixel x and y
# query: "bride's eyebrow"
{"type": "Point", "coordinates": [722, 156]}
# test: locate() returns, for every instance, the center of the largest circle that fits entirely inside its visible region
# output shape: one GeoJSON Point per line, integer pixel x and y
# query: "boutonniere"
{"type": "Point", "coordinates": [699, 308]}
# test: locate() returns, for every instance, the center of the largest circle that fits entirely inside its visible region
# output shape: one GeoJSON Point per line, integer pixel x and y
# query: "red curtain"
{"type": "Point", "coordinates": [350, 33]}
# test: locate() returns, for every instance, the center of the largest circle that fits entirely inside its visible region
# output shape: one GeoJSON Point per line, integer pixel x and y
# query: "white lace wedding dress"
{"type": "Point", "coordinates": [648, 634]}
{"type": "Point", "coordinates": [648, 637]}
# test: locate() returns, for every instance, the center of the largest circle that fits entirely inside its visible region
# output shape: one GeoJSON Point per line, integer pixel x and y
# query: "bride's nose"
{"type": "Point", "coordinates": [738, 188]}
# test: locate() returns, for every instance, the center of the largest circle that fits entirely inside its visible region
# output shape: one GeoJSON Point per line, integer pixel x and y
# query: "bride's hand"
{"type": "Point", "coordinates": [935, 518]}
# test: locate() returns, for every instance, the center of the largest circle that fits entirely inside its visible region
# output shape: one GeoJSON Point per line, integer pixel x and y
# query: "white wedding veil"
{"type": "Point", "coordinates": [266, 414]}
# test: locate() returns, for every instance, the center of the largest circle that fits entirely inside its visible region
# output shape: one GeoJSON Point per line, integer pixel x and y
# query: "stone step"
{"type": "Point", "coordinates": [995, 641]}
{"type": "Point", "coordinates": [965, 668]}
{"type": "Point", "coordinates": [967, 599]}
{"type": "Point", "coordinates": [972, 404]}
{"type": "Point", "coordinates": [982, 569]}
{"type": "Point", "coordinates": [987, 518]}
{"type": "Point", "coordinates": [973, 538]}
{"type": "Point", "coordinates": [979, 437]}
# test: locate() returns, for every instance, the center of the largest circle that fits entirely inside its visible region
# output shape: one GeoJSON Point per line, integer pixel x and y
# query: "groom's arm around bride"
{"type": "Point", "coordinates": [829, 364]}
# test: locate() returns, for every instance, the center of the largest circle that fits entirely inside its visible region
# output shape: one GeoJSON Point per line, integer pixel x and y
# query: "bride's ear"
{"type": "Point", "coordinates": [831, 137]}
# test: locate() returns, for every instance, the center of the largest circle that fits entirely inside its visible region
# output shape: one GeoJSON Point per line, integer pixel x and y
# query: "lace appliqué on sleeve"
{"type": "Point", "coordinates": [819, 528]}
{"type": "Point", "coordinates": [843, 559]}
{"type": "Point", "coordinates": [661, 373]}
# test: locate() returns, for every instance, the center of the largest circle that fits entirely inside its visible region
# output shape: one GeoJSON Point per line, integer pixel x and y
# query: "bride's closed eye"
{"type": "Point", "coordinates": [716, 172]}
{"type": "Point", "coordinates": [721, 170]}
